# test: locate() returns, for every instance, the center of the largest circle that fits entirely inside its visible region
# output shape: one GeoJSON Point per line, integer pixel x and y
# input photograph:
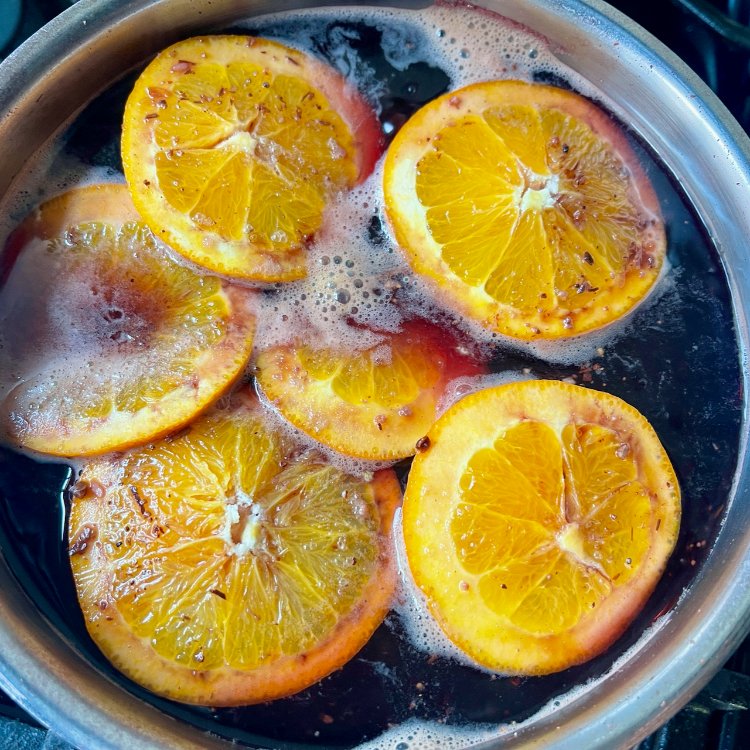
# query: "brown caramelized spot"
{"type": "Point", "coordinates": [183, 67]}
{"type": "Point", "coordinates": [156, 93]}
{"type": "Point", "coordinates": [79, 544]}
{"type": "Point", "coordinates": [97, 488]}
{"type": "Point", "coordinates": [139, 501]}
{"type": "Point", "coordinates": [585, 286]}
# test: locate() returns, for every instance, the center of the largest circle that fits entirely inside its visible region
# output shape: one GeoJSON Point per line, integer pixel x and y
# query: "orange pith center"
{"type": "Point", "coordinates": [247, 154]}
{"type": "Point", "coordinates": [538, 527]}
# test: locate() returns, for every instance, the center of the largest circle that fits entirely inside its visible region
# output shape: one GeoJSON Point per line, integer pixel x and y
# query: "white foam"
{"type": "Point", "coordinates": [414, 734]}
{"type": "Point", "coordinates": [411, 606]}
{"type": "Point", "coordinates": [350, 285]}
{"type": "Point", "coordinates": [470, 45]}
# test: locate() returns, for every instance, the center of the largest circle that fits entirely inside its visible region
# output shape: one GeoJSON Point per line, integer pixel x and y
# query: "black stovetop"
{"type": "Point", "coordinates": [713, 37]}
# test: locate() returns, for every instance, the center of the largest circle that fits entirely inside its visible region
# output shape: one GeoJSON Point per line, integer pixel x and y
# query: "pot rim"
{"type": "Point", "coordinates": [55, 683]}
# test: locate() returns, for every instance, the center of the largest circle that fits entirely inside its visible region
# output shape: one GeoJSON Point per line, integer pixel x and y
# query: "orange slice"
{"type": "Point", "coordinates": [538, 522]}
{"type": "Point", "coordinates": [374, 404]}
{"type": "Point", "coordinates": [527, 208]}
{"type": "Point", "coordinates": [226, 567]}
{"type": "Point", "coordinates": [110, 341]}
{"type": "Point", "coordinates": [232, 146]}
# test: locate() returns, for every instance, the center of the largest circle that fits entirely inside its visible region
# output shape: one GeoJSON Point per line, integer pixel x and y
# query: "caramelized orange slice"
{"type": "Point", "coordinates": [110, 341]}
{"type": "Point", "coordinates": [232, 145]}
{"type": "Point", "coordinates": [374, 404]}
{"type": "Point", "coordinates": [526, 206]}
{"type": "Point", "coordinates": [226, 567]}
{"type": "Point", "coordinates": [538, 522]}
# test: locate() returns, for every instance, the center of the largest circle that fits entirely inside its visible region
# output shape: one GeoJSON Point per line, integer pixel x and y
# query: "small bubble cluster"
{"type": "Point", "coordinates": [353, 277]}
{"type": "Point", "coordinates": [414, 734]}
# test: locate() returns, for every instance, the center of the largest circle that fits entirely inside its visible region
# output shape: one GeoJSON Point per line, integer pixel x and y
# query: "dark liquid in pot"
{"type": "Point", "coordinates": [676, 361]}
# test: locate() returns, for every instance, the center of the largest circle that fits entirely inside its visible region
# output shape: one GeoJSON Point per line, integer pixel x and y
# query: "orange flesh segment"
{"type": "Point", "coordinates": [593, 552]}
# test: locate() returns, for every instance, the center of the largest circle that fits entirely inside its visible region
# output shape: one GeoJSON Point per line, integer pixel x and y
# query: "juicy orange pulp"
{"type": "Point", "coordinates": [374, 404]}
{"type": "Point", "coordinates": [225, 566]}
{"type": "Point", "coordinates": [127, 344]}
{"type": "Point", "coordinates": [526, 206]}
{"type": "Point", "coordinates": [538, 522]}
{"type": "Point", "coordinates": [233, 145]}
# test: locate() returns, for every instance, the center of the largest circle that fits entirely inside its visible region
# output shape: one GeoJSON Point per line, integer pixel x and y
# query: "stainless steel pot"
{"type": "Point", "coordinates": [78, 54]}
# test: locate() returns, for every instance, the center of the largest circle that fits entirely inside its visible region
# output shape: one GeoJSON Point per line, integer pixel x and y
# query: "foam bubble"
{"type": "Point", "coordinates": [414, 734]}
